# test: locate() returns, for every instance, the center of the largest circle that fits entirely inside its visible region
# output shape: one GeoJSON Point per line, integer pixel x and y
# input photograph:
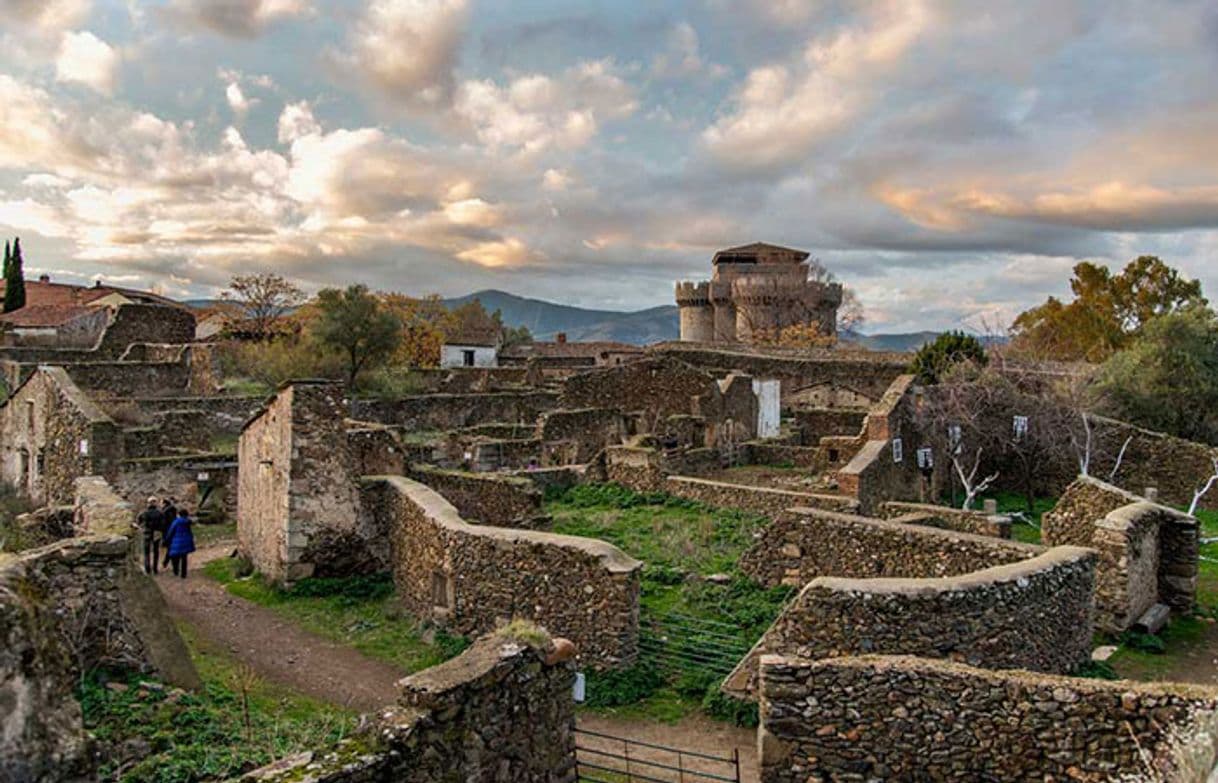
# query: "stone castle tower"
{"type": "Point", "coordinates": [756, 289]}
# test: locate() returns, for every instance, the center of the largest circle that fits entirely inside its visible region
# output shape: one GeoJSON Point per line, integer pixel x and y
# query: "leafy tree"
{"type": "Point", "coordinates": [264, 299]}
{"type": "Point", "coordinates": [936, 358]}
{"type": "Point", "coordinates": [1107, 312]}
{"type": "Point", "coordinates": [1167, 379]}
{"type": "Point", "coordinates": [355, 323]}
{"type": "Point", "coordinates": [424, 322]}
{"type": "Point", "coordinates": [14, 280]}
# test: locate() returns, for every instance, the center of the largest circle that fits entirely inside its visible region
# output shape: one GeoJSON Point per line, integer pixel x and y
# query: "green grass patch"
{"type": "Point", "coordinates": [235, 723]}
{"type": "Point", "coordinates": [246, 387]}
{"type": "Point", "coordinates": [1027, 528]}
{"type": "Point", "coordinates": [680, 542]}
{"type": "Point", "coordinates": [359, 611]}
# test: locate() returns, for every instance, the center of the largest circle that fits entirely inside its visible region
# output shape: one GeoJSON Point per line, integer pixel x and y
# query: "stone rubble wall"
{"type": "Point", "coordinates": [635, 467]}
{"type": "Point", "coordinates": [177, 477]}
{"type": "Point", "coordinates": [816, 423]}
{"type": "Point", "coordinates": [947, 518]}
{"type": "Point", "coordinates": [802, 544]}
{"type": "Point", "coordinates": [1034, 614]}
{"type": "Point", "coordinates": [1148, 552]}
{"type": "Point", "coordinates": [50, 416]}
{"type": "Point", "coordinates": [172, 432]}
{"type": "Point", "coordinates": [473, 578]}
{"type": "Point", "coordinates": [902, 718]}
{"type": "Point", "coordinates": [761, 500]}
{"type": "Point", "coordinates": [661, 387]}
{"type": "Point", "coordinates": [879, 470]}
{"type": "Point", "coordinates": [486, 498]}
{"type": "Point", "coordinates": [453, 411]}
{"type": "Point", "coordinates": [590, 430]}
{"type": "Point", "coordinates": [66, 608]}
{"type": "Point", "coordinates": [501, 712]}
{"type": "Point", "coordinates": [146, 323]}
{"type": "Point", "coordinates": [226, 414]}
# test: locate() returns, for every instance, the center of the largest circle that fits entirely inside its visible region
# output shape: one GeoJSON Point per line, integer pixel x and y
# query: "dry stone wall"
{"type": "Point", "coordinates": [802, 544]}
{"type": "Point", "coordinates": [486, 499]}
{"type": "Point", "coordinates": [453, 411]}
{"type": "Point", "coordinates": [473, 578]}
{"type": "Point", "coordinates": [1148, 553]}
{"type": "Point", "coordinates": [1034, 614]}
{"type": "Point", "coordinates": [899, 718]}
{"type": "Point", "coordinates": [885, 466]}
{"type": "Point", "coordinates": [760, 500]}
{"type": "Point", "coordinates": [960, 520]}
{"type": "Point", "coordinates": [501, 712]}
{"type": "Point", "coordinates": [589, 430]}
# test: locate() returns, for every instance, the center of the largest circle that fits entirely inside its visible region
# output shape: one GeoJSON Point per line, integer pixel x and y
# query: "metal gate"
{"type": "Point", "coordinates": [604, 758]}
{"type": "Point", "coordinates": [679, 644]}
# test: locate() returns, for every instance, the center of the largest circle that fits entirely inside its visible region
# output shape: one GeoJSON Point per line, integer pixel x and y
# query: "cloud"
{"type": "Point", "coordinates": [88, 60]}
{"type": "Point", "coordinates": [510, 252]}
{"type": "Point", "coordinates": [536, 112]}
{"type": "Point", "coordinates": [237, 18]}
{"type": "Point", "coordinates": [782, 111]}
{"type": "Point", "coordinates": [683, 56]}
{"type": "Point", "coordinates": [408, 49]}
{"type": "Point", "coordinates": [237, 100]}
{"type": "Point", "coordinates": [47, 15]}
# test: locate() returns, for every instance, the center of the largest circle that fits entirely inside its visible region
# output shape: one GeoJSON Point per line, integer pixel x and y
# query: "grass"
{"type": "Point", "coordinates": [1187, 642]}
{"type": "Point", "coordinates": [12, 537]}
{"type": "Point", "coordinates": [246, 387]}
{"type": "Point", "coordinates": [224, 443]}
{"type": "Point", "coordinates": [207, 534]}
{"type": "Point", "coordinates": [359, 611]}
{"type": "Point", "coordinates": [1025, 530]}
{"type": "Point", "coordinates": [681, 542]}
{"type": "Point", "coordinates": [235, 723]}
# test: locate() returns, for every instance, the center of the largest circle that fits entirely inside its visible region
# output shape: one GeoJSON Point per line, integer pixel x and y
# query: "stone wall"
{"type": "Point", "coordinates": [501, 712]}
{"type": "Point", "coordinates": [297, 505]}
{"type": "Point", "coordinates": [52, 434]}
{"type": "Point", "coordinates": [65, 609]}
{"type": "Point", "coordinates": [960, 520]}
{"type": "Point", "coordinates": [1034, 614]}
{"type": "Point", "coordinates": [486, 499]}
{"type": "Point", "coordinates": [172, 432]}
{"type": "Point", "coordinates": [210, 499]}
{"type": "Point", "coordinates": [868, 372]}
{"type": "Point", "coordinates": [454, 411]}
{"type": "Point", "coordinates": [225, 414]}
{"type": "Point", "coordinates": [589, 430]}
{"type": "Point", "coordinates": [472, 578]}
{"type": "Point", "coordinates": [660, 386]}
{"type": "Point", "coordinates": [1148, 552]}
{"type": "Point", "coordinates": [816, 423]}
{"type": "Point", "coordinates": [802, 544]}
{"type": "Point", "coordinates": [634, 467]}
{"type": "Point", "coordinates": [885, 468]}
{"type": "Point", "coordinates": [761, 500]}
{"type": "Point", "coordinates": [146, 323]}
{"type": "Point", "coordinates": [899, 718]}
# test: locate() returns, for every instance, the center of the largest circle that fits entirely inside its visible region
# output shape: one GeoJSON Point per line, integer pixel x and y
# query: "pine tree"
{"type": "Point", "coordinates": [14, 281]}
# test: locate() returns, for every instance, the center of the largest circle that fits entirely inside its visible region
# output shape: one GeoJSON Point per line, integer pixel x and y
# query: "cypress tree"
{"type": "Point", "coordinates": [8, 257]}
{"type": "Point", "coordinates": [14, 281]}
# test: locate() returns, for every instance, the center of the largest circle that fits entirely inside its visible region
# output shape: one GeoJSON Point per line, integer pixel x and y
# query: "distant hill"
{"type": "Point", "coordinates": [640, 327]}
{"type": "Point", "coordinates": [546, 319]}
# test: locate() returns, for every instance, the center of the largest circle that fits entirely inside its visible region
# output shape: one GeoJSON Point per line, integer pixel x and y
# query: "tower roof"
{"type": "Point", "coordinates": [760, 253]}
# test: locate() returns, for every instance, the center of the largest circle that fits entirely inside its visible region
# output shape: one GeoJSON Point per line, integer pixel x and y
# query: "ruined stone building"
{"type": "Point", "coordinates": [756, 290]}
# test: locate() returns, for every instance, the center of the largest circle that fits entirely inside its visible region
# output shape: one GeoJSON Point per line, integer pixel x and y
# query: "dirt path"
{"type": "Point", "coordinates": [276, 648]}
{"type": "Point", "coordinates": [282, 652]}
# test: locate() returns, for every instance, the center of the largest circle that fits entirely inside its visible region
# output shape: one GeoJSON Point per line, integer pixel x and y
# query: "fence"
{"type": "Point", "coordinates": [679, 644]}
{"type": "Point", "coordinates": [604, 758]}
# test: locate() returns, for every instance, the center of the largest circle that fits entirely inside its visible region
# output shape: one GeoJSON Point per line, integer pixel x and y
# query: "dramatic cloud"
{"type": "Point", "coordinates": [950, 163]}
{"type": "Point", "coordinates": [85, 58]}
{"type": "Point", "coordinates": [408, 49]}
{"type": "Point", "coordinates": [237, 18]}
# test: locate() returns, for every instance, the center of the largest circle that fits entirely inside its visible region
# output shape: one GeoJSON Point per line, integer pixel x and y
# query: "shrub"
{"type": "Point", "coordinates": [351, 590]}
{"type": "Point", "coordinates": [720, 706]}
{"type": "Point", "coordinates": [616, 688]}
{"type": "Point", "coordinates": [949, 349]}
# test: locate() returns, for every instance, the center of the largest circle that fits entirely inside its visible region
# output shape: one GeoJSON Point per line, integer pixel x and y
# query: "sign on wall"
{"type": "Point", "coordinates": [1020, 424]}
{"type": "Point", "coordinates": [897, 450]}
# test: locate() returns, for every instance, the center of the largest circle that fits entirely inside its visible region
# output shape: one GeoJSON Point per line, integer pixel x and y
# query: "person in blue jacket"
{"type": "Point", "coordinates": [180, 542]}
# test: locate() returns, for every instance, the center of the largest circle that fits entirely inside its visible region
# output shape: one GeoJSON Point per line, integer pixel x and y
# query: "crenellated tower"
{"type": "Point", "coordinates": [756, 291]}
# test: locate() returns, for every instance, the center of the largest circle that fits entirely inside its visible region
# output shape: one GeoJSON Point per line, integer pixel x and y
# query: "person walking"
{"type": "Point", "coordinates": [169, 512]}
{"type": "Point", "coordinates": [180, 542]}
{"type": "Point", "coordinates": [152, 524]}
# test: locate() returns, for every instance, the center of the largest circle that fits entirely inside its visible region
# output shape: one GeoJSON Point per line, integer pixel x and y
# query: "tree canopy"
{"type": "Point", "coordinates": [933, 360]}
{"type": "Point", "coordinates": [1108, 311]}
{"type": "Point", "coordinates": [355, 323]}
{"type": "Point", "coordinates": [1167, 379]}
{"type": "Point", "coordinates": [264, 299]}
{"type": "Point", "coordinates": [14, 280]}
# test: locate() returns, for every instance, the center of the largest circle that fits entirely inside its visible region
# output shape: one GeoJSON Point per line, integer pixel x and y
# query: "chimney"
{"type": "Point", "coordinates": [44, 278]}
{"type": "Point", "coordinates": [562, 337]}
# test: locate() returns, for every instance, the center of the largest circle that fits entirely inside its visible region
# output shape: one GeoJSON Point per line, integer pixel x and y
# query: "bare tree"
{"type": "Point", "coordinates": [954, 413]}
{"type": "Point", "coordinates": [264, 298]}
{"type": "Point", "coordinates": [1203, 489]}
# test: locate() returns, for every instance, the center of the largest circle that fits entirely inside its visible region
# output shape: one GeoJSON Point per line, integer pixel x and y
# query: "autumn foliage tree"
{"type": "Point", "coordinates": [1108, 311]}
{"type": "Point", "coordinates": [263, 299]}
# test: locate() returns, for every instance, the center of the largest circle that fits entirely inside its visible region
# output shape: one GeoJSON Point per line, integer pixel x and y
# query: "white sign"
{"type": "Point", "coordinates": [577, 691]}
{"type": "Point", "coordinates": [84, 448]}
{"type": "Point", "coordinates": [897, 452]}
{"type": "Point", "coordinates": [954, 435]}
{"type": "Point", "coordinates": [926, 458]}
{"type": "Point", "coordinates": [203, 477]}
{"type": "Point", "coordinates": [1020, 424]}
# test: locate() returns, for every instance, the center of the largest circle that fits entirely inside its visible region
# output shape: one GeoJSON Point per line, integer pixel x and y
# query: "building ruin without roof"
{"type": "Point", "coordinates": [757, 290]}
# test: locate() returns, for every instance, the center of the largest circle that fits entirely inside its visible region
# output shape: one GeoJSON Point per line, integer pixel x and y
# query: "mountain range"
{"type": "Point", "coordinates": [545, 320]}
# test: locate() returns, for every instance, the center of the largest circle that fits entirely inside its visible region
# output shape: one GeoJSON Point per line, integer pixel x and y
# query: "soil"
{"type": "Point", "coordinates": [284, 653]}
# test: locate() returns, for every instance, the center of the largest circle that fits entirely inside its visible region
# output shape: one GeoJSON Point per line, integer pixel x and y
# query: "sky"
{"type": "Point", "coordinates": [950, 161]}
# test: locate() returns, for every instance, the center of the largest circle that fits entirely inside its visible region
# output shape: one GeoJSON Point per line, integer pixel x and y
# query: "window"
{"type": "Point", "coordinates": [40, 462]}
{"type": "Point", "coordinates": [467, 358]}
{"type": "Point", "coordinates": [441, 590]}
{"type": "Point", "coordinates": [29, 415]}
{"type": "Point", "coordinates": [834, 455]}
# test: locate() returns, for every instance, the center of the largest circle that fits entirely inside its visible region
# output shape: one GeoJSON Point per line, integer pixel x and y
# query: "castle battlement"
{"type": "Point", "coordinates": [693, 294]}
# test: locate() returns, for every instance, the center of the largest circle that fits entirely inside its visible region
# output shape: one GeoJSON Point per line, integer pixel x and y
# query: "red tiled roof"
{"type": "Point", "coordinates": [38, 293]}
{"type": "Point", "coordinates": [34, 316]}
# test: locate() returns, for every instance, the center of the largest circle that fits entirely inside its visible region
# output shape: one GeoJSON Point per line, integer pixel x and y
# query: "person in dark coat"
{"type": "Point", "coordinates": [152, 524]}
{"type": "Point", "coordinates": [169, 513]}
{"type": "Point", "coordinates": [180, 542]}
